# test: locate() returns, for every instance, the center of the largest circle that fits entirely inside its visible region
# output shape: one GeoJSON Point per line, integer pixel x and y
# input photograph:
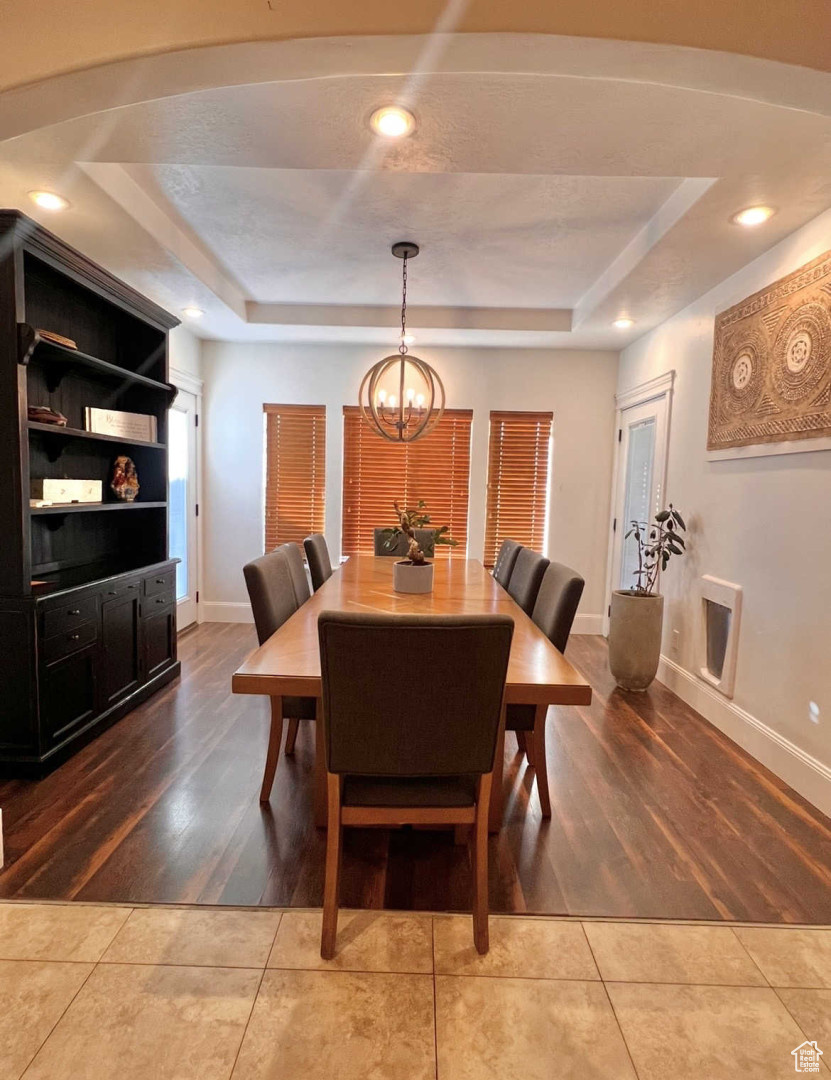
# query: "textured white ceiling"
{"type": "Point", "coordinates": [532, 191]}
{"type": "Point", "coordinates": [487, 240]}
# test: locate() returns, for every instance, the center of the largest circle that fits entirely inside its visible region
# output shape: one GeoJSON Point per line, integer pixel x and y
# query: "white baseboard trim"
{"type": "Point", "coordinates": [587, 624]}
{"type": "Point", "coordinates": [805, 774]}
{"type": "Point", "coordinates": [225, 611]}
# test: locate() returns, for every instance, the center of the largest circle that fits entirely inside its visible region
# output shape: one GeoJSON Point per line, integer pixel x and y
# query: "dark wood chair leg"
{"type": "Point", "coordinates": [330, 888]}
{"type": "Point", "coordinates": [273, 753]}
{"type": "Point", "coordinates": [480, 866]}
{"type": "Point", "coordinates": [291, 734]}
{"type": "Point", "coordinates": [540, 763]}
{"type": "Point", "coordinates": [521, 742]}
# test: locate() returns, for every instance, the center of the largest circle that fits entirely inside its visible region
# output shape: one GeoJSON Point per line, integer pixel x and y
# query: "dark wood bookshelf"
{"type": "Point", "coordinates": [91, 508]}
{"type": "Point", "coordinates": [58, 432]}
{"type": "Point", "coordinates": [62, 360]}
{"type": "Point", "coordinates": [87, 590]}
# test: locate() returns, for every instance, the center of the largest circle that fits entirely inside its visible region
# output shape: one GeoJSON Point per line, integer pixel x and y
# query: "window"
{"type": "Point", "coordinates": [517, 480]}
{"type": "Point", "coordinates": [375, 472]}
{"type": "Point", "coordinates": [295, 472]}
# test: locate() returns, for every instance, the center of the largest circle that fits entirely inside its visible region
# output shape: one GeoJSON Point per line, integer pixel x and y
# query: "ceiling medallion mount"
{"type": "Point", "coordinates": [402, 397]}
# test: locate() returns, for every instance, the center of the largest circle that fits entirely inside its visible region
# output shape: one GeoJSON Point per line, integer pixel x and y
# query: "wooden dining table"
{"type": "Point", "coordinates": [289, 662]}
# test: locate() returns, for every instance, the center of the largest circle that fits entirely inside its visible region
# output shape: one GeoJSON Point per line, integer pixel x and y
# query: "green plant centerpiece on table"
{"type": "Point", "coordinates": [408, 522]}
{"type": "Point", "coordinates": [414, 574]}
{"type": "Point", "coordinates": [637, 613]}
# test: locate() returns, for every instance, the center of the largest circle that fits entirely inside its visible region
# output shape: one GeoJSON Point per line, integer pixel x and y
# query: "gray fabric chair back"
{"type": "Point", "coordinates": [317, 556]}
{"type": "Point", "coordinates": [425, 537]}
{"type": "Point", "coordinates": [505, 560]}
{"type": "Point", "coordinates": [526, 578]}
{"type": "Point", "coordinates": [271, 592]}
{"type": "Point", "coordinates": [412, 695]}
{"type": "Point", "coordinates": [302, 592]}
{"type": "Point", "coordinates": [557, 602]}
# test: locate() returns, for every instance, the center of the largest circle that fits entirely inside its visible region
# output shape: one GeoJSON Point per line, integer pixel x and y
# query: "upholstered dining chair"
{"type": "Point", "coordinates": [385, 768]}
{"type": "Point", "coordinates": [302, 592]}
{"type": "Point", "coordinates": [526, 578]}
{"type": "Point", "coordinates": [553, 613]}
{"type": "Point", "coordinates": [273, 601]}
{"type": "Point", "coordinates": [399, 547]}
{"type": "Point", "coordinates": [317, 556]}
{"type": "Point", "coordinates": [505, 560]}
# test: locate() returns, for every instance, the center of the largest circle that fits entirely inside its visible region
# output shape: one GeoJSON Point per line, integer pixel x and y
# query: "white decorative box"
{"type": "Point", "coordinates": [66, 491]}
{"type": "Point", "coordinates": [126, 425]}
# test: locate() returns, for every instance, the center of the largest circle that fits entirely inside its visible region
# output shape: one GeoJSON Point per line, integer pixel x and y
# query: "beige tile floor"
{"type": "Point", "coordinates": [91, 992]}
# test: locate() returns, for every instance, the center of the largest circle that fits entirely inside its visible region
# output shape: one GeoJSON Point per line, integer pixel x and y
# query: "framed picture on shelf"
{"type": "Point", "coordinates": [126, 425]}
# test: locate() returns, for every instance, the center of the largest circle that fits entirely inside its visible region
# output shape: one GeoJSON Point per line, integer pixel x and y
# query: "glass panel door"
{"type": "Point", "coordinates": [182, 503]}
{"type": "Point", "coordinates": [639, 484]}
{"type": "Point", "coordinates": [638, 493]}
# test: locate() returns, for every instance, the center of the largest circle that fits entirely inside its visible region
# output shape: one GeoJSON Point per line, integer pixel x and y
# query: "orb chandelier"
{"type": "Point", "coordinates": [402, 397]}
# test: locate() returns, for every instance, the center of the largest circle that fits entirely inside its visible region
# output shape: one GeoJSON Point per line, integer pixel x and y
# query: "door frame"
{"type": "Point", "coordinates": [183, 380]}
{"type": "Point", "coordinates": [660, 386]}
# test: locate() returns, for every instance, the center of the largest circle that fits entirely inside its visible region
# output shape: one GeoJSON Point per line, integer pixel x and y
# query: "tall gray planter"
{"type": "Point", "coordinates": [635, 638]}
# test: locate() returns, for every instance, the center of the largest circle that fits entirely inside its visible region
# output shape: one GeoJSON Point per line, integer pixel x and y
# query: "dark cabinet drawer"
{"type": "Point", "coordinates": [152, 605]}
{"type": "Point", "coordinates": [57, 620]}
{"type": "Point", "coordinates": [121, 588]}
{"type": "Point", "coordinates": [163, 582]}
{"type": "Point", "coordinates": [70, 641]}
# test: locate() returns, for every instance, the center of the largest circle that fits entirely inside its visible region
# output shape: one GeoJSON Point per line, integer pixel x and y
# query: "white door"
{"type": "Point", "coordinates": [639, 487]}
{"type": "Point", "coordinates": [182, 505]}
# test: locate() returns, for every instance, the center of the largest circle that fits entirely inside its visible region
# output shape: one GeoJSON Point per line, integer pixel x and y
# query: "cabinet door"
{"type": "Point", "coordinates": [68, 694]}
{"type": "Point", "coordinates": [120, 667]}
{"type": "Point", "coordinates": [159, 635]}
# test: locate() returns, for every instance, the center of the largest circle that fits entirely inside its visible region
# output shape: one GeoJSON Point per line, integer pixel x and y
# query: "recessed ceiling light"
{"type": "Point", "coordinates": [193, 312]}
{"type": "Point", "coordinates": [623, 323]}
{"type": "Point", "coordinates": [48, 200]}
{"type": "Point", "coordinates": [392, 121]}
{"type": "Point", "coordinates": [753, 215]}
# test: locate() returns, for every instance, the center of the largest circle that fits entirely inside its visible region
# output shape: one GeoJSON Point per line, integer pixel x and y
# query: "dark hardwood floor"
{"type": "Point", "coordinates": [655, 814]}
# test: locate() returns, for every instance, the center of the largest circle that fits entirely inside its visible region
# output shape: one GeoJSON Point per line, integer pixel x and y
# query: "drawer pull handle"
{"type": "Point", "coordinates": [160, 581]}
{"type": "Point", "coordinates": [113, 592]}
{"type": "Point", "coordinates": [76, 611]}
{"type": "Point", "coordinates": [74, 637]}
{"type": "Point", "coordinates": [161, 600]}
{"type": "Point", "coordinates": [133, 586]}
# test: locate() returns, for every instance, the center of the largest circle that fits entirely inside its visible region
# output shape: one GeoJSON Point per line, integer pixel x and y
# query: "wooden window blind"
{"type": "Point", "coordinates": [517, 480]}
{"type": "Point", "coordinates": [295, 472]}
{"type": "Point", "coordinates": [375, 472]}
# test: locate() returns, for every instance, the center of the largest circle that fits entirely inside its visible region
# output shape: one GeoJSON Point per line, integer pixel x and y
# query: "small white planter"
{"type": "Point", "coordinates": [408, 578]}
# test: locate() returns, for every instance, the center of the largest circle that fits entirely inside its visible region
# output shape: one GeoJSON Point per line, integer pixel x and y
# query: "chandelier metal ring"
{"type": "Point", "coordinates": [405, 415]}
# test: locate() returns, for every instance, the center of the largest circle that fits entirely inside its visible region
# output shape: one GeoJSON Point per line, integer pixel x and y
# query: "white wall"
{"type": "Point", "coordinates": [764, 523]}
{"type": "Point", "coordinates": [578, 387]}
{"type": "Point", "coordinates": [185, 352]}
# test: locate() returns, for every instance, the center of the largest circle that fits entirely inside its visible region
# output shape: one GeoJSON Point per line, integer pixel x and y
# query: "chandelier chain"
{"type": "Point", "coordinates": [402, 348]}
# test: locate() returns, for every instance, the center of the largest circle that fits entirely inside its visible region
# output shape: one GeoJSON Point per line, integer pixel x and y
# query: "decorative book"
{"type": "Point", "coordinates": [125, 425]}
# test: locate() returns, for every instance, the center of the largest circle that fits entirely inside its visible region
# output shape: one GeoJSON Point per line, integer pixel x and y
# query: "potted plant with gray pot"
{"type": "Point", "coordinates": [637, 614]}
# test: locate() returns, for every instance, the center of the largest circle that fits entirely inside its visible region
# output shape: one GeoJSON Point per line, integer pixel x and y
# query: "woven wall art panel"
{"type": "Point", "coordinates": [772, 363]}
